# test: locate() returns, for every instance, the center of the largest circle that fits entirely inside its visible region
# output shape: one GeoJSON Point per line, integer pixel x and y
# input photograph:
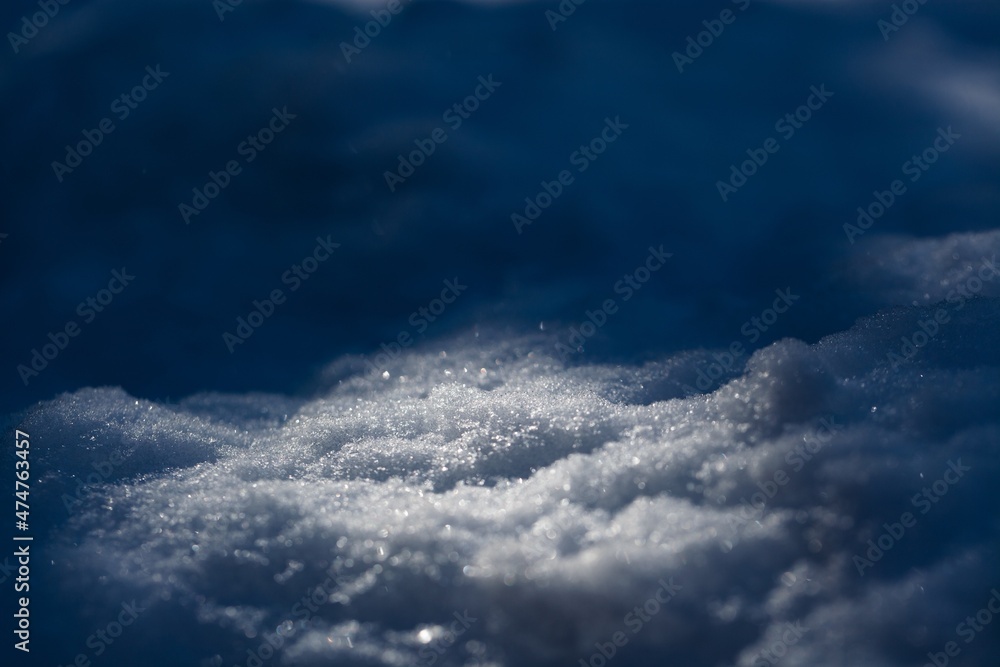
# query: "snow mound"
{"type": "Point", "coordinates": [486, 489]}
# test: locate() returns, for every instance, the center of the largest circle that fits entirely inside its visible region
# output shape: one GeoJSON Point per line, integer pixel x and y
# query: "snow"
{"type": "Point", "coordinates": [545, 501]}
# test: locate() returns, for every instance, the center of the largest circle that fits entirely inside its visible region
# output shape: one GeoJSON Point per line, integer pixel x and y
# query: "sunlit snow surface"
{"type": "Point", "coordinates": [547, 502]}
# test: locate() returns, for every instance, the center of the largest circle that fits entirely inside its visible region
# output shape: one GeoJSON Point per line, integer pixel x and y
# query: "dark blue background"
{"type": "Point", "coordinates": [324, 176]}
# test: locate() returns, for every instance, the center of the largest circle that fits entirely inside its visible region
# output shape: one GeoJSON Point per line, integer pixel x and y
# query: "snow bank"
{"type": "Point", "coordinates": [488, 480]}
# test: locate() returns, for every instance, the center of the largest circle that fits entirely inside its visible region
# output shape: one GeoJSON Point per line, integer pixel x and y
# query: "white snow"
{"type": "Point", "coordinates": [547, 502]}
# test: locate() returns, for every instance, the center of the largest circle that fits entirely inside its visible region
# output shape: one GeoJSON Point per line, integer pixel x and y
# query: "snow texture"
{"type": "Point", "coordinates": [547, 502]}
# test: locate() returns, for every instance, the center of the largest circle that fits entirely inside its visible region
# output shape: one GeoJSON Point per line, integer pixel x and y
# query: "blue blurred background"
{"type": "Point", "coordinates": [324, 176]}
